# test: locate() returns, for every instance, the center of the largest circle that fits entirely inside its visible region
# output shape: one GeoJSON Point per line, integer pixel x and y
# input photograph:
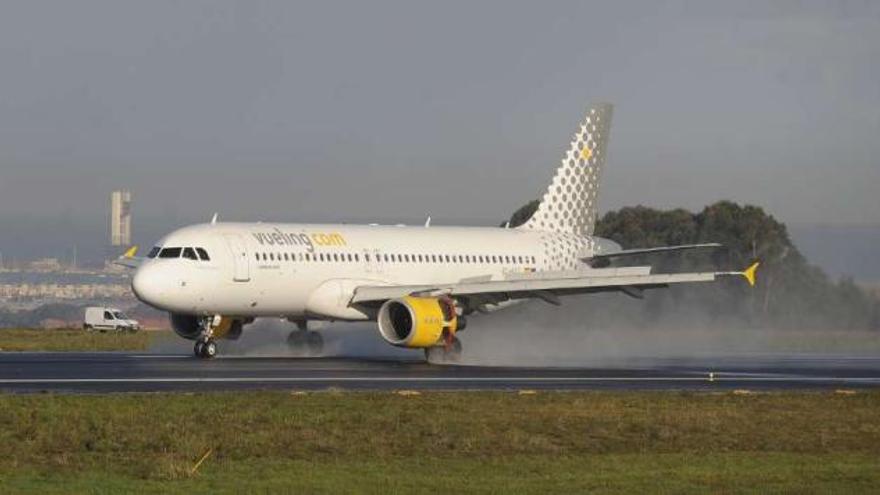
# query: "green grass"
{"type": "Point", "coordinates": [476, 442]}
{"type": "Point", "coordinates": [33, 340]}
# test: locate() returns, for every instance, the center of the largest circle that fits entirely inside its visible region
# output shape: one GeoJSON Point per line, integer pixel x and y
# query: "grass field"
{"type": "Point", "coordinates": [21, 339]}
{"type": "Point", "coordinates": [332, 442]}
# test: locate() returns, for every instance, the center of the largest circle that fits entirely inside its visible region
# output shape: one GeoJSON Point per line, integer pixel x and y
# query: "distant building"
{"type": "Point", "coordinates": [120, 218]}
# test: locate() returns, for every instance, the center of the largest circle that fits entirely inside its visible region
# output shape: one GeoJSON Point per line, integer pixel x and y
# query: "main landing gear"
{"type": "Point", "coordinates": [448, 353]}
{"type": "Point", "coordinates": [306, 343]}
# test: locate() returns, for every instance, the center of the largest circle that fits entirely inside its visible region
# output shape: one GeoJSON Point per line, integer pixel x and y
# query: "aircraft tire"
{"type": "Point", "coordinates": [209, 349]}
{"type": "Point", "coordinates": [441, 355]}
{"type": "Point", "coordinates": [315, 343]}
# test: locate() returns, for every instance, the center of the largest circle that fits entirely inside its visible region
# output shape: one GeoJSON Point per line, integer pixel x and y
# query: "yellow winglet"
{"type": "Point", "coordinates": [750, 272]}
{"type": "Point", "coordinates": [131, 252]}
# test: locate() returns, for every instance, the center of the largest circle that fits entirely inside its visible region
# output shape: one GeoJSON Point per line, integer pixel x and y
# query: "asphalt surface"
{"type": "Point", "coordinates": [140, 372]}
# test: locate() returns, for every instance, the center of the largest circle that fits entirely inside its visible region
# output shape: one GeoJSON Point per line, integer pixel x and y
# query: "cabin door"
{"type": "Point", "coordinates": [240, 262]}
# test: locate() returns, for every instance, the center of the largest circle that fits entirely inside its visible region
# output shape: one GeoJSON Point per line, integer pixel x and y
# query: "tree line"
{"type": "Point", "coordinates": [790, 292]}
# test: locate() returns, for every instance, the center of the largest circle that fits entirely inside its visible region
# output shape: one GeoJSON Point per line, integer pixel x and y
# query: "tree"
{"type": "Point", "coordinates": [790, 292]}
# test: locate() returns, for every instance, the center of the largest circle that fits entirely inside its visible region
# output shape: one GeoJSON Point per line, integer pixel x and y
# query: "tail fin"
{"type": "Point", "coordinates": [570, 203]}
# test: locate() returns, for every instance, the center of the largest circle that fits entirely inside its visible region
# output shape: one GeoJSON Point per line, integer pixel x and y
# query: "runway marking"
{"type": "Point", "coordinates": [409, 379]}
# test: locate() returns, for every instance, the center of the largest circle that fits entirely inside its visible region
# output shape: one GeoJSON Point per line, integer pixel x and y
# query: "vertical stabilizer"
{"type": "Point", "coordinates": [570, 203]}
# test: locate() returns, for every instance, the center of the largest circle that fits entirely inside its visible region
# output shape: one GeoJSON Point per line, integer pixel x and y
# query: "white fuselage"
{"type": "Point", "coordinates": [310, 271]}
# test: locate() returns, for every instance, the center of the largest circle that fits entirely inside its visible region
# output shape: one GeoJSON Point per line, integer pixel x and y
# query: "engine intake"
{"type": "Point", "coordinates": [417, 322]}
{"type": "Point", "coordinates": [187, 326]}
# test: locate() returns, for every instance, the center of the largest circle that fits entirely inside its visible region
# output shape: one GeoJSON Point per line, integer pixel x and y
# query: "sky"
{"type": "Point", "coordinates": [381, 111]}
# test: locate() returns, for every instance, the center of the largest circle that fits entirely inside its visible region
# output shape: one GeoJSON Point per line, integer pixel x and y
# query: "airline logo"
{"type": "Point", "coordinates": [586, 153]}
{"type": "Point", "coordinates": [309, 240]}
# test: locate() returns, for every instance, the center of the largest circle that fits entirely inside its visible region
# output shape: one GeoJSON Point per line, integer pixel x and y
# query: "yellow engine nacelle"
{"type": "Point", "coordinates": [417, 321]}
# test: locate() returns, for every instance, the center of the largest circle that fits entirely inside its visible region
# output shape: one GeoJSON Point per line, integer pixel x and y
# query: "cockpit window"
{"type": "Point", "coordinates": [190, 254]}
{"type": "Point", "coordinates": [119, 315]}
{"type": "Point", "coordinates": [203, 254]}
{"type": "Point", "coordinates": [154, 252]}
{"type": "Point", "coordinates": [173, 252]}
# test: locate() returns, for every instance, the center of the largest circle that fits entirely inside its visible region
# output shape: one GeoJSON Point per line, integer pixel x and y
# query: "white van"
{"type": "Point", "coordinates": [100, 318]}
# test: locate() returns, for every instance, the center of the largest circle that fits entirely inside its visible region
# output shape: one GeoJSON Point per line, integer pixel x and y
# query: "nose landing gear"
{"type": "Point", "coordinates": [205, 348]}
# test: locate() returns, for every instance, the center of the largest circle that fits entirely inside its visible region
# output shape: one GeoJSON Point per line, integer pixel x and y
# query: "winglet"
{"type": "Point", "coordinates": [749, 273]}
{"type": "Point", "coordinates": [131, 252]}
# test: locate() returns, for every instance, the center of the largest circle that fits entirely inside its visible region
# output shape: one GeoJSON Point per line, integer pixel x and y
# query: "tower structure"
{"type": "Point", "coordinates": [120, 218]}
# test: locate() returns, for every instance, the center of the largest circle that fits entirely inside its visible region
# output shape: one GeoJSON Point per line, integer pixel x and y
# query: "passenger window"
{"type": "Point", "coordinates": [170, 253]}
{"type": "Point", "coordinates": [154, 252]}
{"type": "Point", "coordinates": [190, 254]}
{"type": "Point", "coordinates": [203, 254]}
{"type": "Point", "coordinates": [108, 315]}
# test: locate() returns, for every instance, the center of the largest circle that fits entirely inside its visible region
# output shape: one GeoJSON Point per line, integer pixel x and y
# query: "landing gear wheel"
{"type": "Point", "coordinates": [306, 343]}
{"type": "Point", "coordinates": [205, 348]}
{"type": "Point", "coordinates": [296, 339]}
{"type": "Point", "coordinates": [315, 343]}
{"type": "Point", "coordinates": [209, 350]}
{"type": "Point", "coordinates": [444, 354]}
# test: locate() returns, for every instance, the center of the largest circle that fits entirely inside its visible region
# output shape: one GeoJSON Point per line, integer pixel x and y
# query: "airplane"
{"type": "Point", "coordinates": [420, 284]}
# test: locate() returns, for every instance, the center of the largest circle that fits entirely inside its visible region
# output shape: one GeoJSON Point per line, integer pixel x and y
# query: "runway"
{"type": "Point", "coordinates": [139, 372]}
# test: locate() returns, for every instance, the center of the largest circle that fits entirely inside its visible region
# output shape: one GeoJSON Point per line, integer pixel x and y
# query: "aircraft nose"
{"type": "Point", "coordinates": [147, 285]}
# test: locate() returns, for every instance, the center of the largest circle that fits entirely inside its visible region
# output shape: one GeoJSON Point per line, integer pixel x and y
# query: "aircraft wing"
{"type": "Point", "coordinates": [630, 280]}
{"type": "Point", "coordinates": [638, 252]}
{"type": "Point", "coordinates": [129, 259]}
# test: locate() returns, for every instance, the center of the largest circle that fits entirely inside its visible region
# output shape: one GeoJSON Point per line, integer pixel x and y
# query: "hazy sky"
{"type": "Point", "coordinates": [364, 111]}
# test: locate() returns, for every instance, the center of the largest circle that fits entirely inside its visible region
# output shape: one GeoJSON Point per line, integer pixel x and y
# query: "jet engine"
{"type": "Point", "coordinates": [187, 326]}
{"type": "Point", "coordinates": [418, 322]}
